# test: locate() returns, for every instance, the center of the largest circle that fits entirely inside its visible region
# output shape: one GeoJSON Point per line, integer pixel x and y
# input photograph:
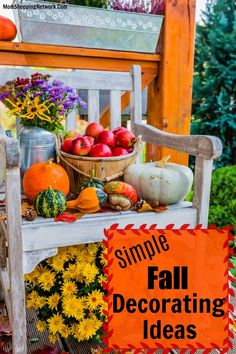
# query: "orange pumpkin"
{"type": "Point", "coordinates": [7, 29]}
{"type": "Point", "coordinates": [42, 175]}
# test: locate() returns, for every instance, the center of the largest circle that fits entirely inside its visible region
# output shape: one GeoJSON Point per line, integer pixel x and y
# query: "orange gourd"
{"type": "Point", "coordinates": [7, 29]}
{"type": "Point", "coordinates": [90, 200]}
{"type": "Point", "coordinates": [121, 195]}
{"type": "Point", "coordinates": [42, 175]}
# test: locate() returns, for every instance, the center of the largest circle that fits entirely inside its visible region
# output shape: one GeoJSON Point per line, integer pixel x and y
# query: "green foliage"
{"type": "Point", "coordinates": [223, 197]}
{"type": "Point", "coordinates": [91, 3]}
{"type": "Point", "coordinates": [214, 86]}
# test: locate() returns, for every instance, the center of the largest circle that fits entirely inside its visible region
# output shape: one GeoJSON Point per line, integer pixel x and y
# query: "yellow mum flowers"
{"type": "Point", "coordinates": [67, 293]}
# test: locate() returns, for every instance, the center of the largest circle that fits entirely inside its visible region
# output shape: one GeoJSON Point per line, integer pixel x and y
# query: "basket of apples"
{"type": "Point", "coordinates": [105, 154]}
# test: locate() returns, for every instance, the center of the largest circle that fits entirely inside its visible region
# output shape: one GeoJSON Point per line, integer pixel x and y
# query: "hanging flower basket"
{"type": "Point", "coordinates": [82, 26]}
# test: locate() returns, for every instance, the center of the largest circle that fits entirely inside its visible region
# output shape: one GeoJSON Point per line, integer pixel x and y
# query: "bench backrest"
{"type": "Point", "coordinates": [94, 81]}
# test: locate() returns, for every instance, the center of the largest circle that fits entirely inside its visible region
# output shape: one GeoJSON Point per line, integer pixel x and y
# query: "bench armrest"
{"type": "Point", "coordinates": [9, 151]}
{"type": "Point", "coordinates": [204, 146]}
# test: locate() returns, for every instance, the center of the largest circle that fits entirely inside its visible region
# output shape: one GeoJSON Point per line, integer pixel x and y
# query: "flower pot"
{"type": "Point", "coordinates": [36, 145]}
{"type": "Point", "coordinates": [82, 26]}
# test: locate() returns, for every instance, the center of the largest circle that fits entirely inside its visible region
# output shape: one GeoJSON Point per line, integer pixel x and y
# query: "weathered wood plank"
{"type": "Point", "coordinates": [202, 189]}
{"type": "Point", "coordinates": [74, 51]}
{"type": "Point", "coordinates": [169, 99]}
{"type": "Point", "coordinates": [32, 258]}
{"type": "Point", "coordinates": [79, 79]}
{"type": "Point", "coordinates": [71, 123]}
{"type": "Point", "coordinates": [65, 61]}
{"type": "Point", "coordinates": [9, 152]}
{"type": "Point", "coordinates": [15, 255]}
{"type": "Point", "coordinates": [43, 234]}
{"type": "Point", "coordinates": [93, 106]}
{"type": "Point", "coordinates": [125, 99]}
{"type": "Point", "coordinates": [5, 287]}
{"type": "Point", "coordinates": [207, 147]}
{"type": "Point", "coordinates": [136, 97]}
{"type": "Point", "coordinates": [115, 103]}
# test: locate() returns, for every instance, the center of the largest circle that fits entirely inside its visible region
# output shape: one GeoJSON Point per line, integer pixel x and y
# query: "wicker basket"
{"type": "Point", "coordinates": [106, 169]}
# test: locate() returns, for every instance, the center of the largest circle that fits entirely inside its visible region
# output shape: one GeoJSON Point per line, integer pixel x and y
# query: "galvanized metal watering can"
{"type": "Point", "coordinates": [36, 145]}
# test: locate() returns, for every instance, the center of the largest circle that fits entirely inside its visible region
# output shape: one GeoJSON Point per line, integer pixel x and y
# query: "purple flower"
{"type": "Point", "coordinates": [57, 83]}
{"type": "Point", "coordinates": [74, 96]}
{"type": "Point", "coordinates": [4, 95]}
{"type": "Point", "coordinates": [39, 81]}
{"type": "Point", "coordinates": [82, 103]}
{"type": "Point", "coordinates": [68, 89]}
{"type": "Point", "coordinates": [25, 88]}
{"type": "Point", "coordinates": [67, 104]}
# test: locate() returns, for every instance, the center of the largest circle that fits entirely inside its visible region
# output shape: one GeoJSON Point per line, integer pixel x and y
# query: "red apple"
{"type": "Point", "coordinates": [94, 129]}
{"type": "Point", "coordinates": [125, 138]}
{"type": "Point", "coordinates": [91, 139]}
{"type": "Point", "coordinates": [100, 150]}
{"type": "Point", "coordinates": [116, 130]}
{"type": "Point", "coordinates": [118, 151]}
{"type": "Point", "coordinates": [130, 150]}
{"type": "Point", "coordinates": [80, 146]}
{"type": "Point", "coordinates": [66, 145]}
{"type": "Point", "coordinates": [106, 137]}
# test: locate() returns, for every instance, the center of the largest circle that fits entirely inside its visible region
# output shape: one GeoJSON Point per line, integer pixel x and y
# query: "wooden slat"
{"type": "Point", "coordinates": [125, 99]}
{"type": "Point", "coordinates": [169, 101]}
{"type": "Point", "coordinates": [71, 123]}
{"type": "Point", "coordinates": [78, 79]}
{"type": "Point", "coordinates": [115, 103]}
{"type": "Point", "coordinates": [74, 62]}
{"type": "Point", "coordinates": [93, 106]}
{"type": "Point", "coordinates": [202, 188]}
{"type": "Point", "coordinates": [136, 97]}
{"type": "Point", "coordinates": [74, 51]}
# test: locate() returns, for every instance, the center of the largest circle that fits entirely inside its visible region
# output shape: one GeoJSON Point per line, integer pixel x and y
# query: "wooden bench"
{"type": "Point", "coordinates": [30, 242]}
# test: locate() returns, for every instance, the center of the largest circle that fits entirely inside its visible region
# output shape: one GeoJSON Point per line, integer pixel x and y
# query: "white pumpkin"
{"type": "Point", "coordinates": [168, 183]}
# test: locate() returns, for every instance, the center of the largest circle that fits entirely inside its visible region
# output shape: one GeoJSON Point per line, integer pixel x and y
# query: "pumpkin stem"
{"type": "Point", "coordinates": [92, 176]}
{"type": "Point", "coordinates": [50, 161]}
{"type": "Point", "coordinates": [50, 188]}
{"type": "Point", "coordinates": [161, 163]}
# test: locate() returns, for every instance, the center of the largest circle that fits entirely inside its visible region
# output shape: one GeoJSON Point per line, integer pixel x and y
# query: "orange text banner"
{"type": "Point", "coordinates": [167, 288]}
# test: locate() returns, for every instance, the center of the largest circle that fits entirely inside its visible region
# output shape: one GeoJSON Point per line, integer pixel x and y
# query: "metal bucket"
{"type": "Point", "coordinates": [36, 145]}
{"type": "Point", "coordinates": [82, 26]}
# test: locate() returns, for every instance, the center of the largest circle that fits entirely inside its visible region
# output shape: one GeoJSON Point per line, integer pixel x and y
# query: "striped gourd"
{"type": "Point", "coordinates": [50, 203]}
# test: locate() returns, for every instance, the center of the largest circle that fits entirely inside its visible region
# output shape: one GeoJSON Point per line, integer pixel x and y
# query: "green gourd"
{"type": "Point", "coordinates": [92, 183]}
{"type": "Point", "coordinates": [50, 203]}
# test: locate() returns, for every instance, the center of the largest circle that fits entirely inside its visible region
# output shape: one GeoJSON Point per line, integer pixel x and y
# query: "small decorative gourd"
{"type": "Point", "coordinates": [121, 196]}
{"type": "Point", "coordinates": [90, 200]}
{"type": "Point", "coordinates": [167, 183]}
{"type": "Point", "coordinates": [92, 183]}
{"type": "Point", "coordinates": [50, 203]}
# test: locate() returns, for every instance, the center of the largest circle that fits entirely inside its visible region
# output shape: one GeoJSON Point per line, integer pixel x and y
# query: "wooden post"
{"type": "Point", "coordinates": [15, 255]}
{"type": "Point", "coordinates": [170, 97]}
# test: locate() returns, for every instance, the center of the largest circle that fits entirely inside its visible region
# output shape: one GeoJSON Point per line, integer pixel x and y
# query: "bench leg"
{"type": "Point", "coordinates": [15, 255]}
